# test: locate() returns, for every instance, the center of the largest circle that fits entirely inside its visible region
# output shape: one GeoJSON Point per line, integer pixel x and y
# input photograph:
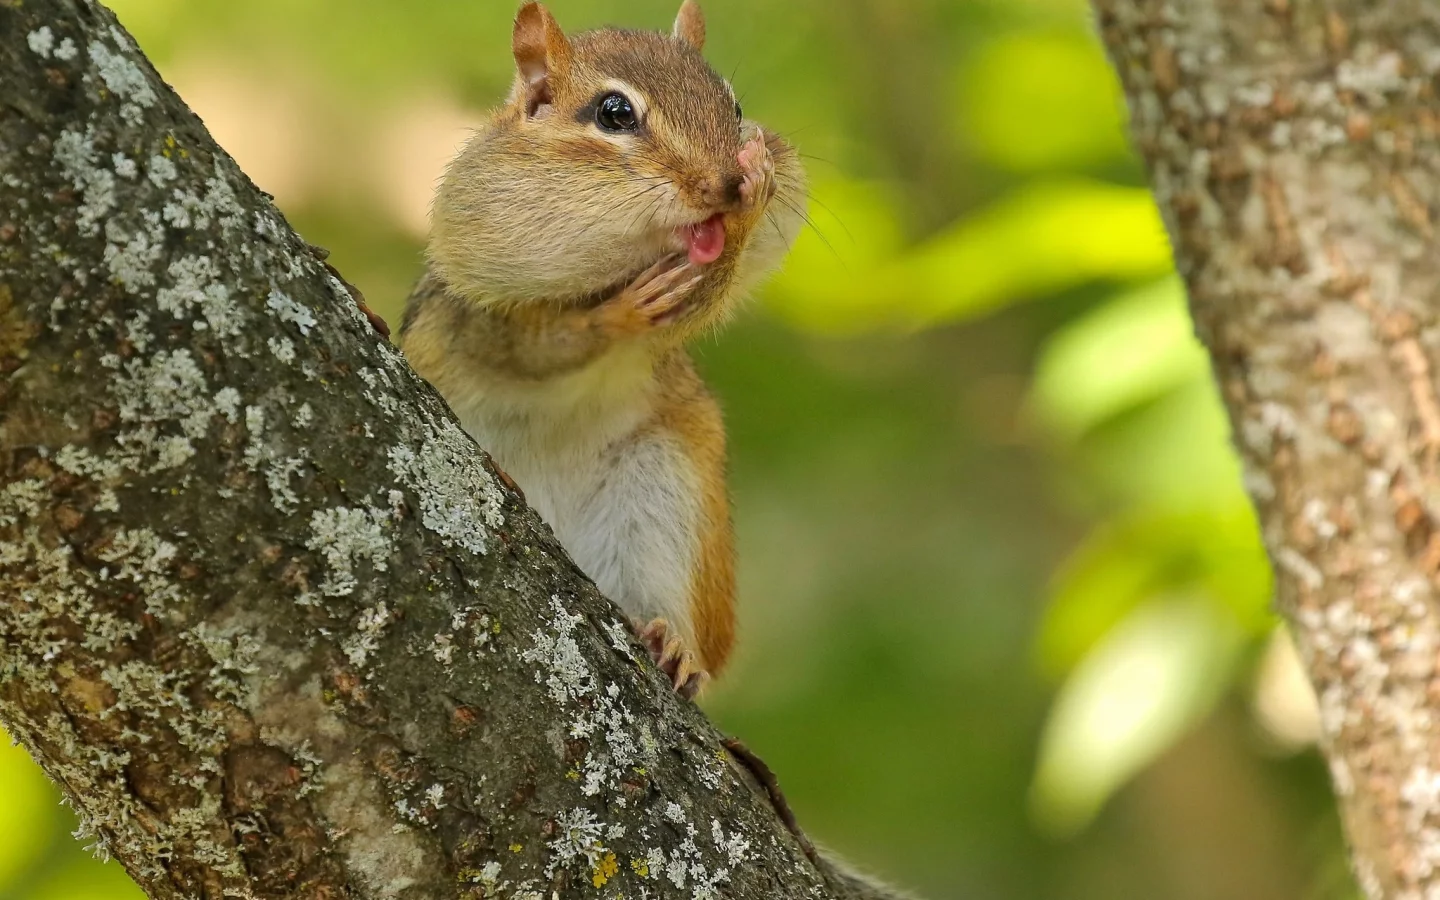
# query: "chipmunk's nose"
{"type": "Point", "coordinates": [732, 188]}
{"type": "Point", "coordinates": [722, 190]}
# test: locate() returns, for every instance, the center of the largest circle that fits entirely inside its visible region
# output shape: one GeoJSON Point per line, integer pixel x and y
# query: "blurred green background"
{"type": "Point", "coordinates": [1005, 625]}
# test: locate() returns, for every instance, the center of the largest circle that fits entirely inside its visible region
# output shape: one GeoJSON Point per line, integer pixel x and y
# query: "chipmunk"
{"type": "Point", "coordinates": [617, 205]}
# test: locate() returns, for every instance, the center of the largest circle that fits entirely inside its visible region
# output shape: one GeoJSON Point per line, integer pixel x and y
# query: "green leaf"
{"type": "Point", "coordinates": [1133, 349]}
{"type": "Point", "coordinates": [89, 882]}
{"type": "Point", "coordinates": [28, 813]}
{"type": "Point", "coordinates": [1149, 681]}
{"type": "Point", "coordinates": [1213, 553]}
{"type": "Point", "coordinates": [1036, 100]}
{"type": "Point", "coordinates": [1044, 238]}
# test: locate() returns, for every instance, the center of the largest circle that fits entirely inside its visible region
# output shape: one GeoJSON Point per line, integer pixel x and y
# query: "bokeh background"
{"type": "Point", "coordinates": [1006, 626]}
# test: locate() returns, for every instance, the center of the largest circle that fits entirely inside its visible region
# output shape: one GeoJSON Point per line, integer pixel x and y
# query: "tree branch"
{"type": "Point", "coordinates": [1293, 150]}
{"type": "Point", "coordinates": [266, 614]}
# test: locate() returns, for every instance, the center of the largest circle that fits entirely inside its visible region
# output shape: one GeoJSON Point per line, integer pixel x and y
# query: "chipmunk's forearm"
{"type": "Point", "coordinates": [539, 342]}
{"type": "Point", "coordinates": [530, 343]}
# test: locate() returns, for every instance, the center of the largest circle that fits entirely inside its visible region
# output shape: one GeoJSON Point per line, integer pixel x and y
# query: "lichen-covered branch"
{"type": "Point", "coordinates": [1294, 147]}
{"type": "Point", "coordinates": [265, 613]}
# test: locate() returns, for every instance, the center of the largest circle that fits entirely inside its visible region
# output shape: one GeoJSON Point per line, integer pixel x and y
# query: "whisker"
{"type": "Point", "coordinates": [839, 221]}
{"type": "Point", "coordinates": [810, 222]}
{"type": "Point", "coordinates": [779, 232]}
{"type": "Point", "coordinates": [654, 208]}
{"type": "Point", "coordinates": [647, 208]}
{"type": "Point", "coordinates": [828, 162]}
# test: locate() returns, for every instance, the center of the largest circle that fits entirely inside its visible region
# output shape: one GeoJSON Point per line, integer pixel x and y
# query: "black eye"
{"type": "Point", "coordinates": [614, 113]}
{"type": "Point", "coordinates": [738, 114]}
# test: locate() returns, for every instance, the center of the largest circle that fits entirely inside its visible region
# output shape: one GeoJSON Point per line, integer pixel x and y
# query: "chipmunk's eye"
{"type": "Point", "coordinates": [614, 113]}
{"type": "Point", "coordinates": [739, 114]}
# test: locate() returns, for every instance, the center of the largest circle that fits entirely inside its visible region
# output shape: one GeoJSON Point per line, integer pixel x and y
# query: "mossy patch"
{"type": "Point", "coordinates": [15, 330]}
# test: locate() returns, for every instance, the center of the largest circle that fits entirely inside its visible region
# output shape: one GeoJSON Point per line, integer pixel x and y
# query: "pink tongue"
{"type": "Point", "coordinates": [706, 240]}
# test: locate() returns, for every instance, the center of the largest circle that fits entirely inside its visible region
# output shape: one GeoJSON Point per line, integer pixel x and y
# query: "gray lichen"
{"type": "Point", "coordinates": [265, 612]}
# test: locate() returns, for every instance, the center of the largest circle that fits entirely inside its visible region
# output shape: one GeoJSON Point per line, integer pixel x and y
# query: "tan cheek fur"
{"type": "Point", "coordinates": [510, 227]}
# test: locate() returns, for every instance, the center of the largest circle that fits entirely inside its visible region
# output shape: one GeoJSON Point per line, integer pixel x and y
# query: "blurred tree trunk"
{"type": "Point", "coordinates": [1294, 149]}
{"type": "Point", "coordinates": [266, 614]}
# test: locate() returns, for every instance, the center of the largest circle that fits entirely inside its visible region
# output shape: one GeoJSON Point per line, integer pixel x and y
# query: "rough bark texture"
{"type": "Point", "coordinates": [1293, 149]}
{"type": "Point", "coordinates": [265, 613]}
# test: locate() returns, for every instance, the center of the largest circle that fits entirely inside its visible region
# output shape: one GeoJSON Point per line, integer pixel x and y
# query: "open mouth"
{"type": "Point", "coordinates": [704, 240]}
{"type": "Point", "coordinates": [703, 243]}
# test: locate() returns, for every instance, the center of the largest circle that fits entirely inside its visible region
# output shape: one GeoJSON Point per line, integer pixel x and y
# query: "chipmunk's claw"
{"type": "Point", "coordinates": [655, 297]}
{"type": "Point", "coordinates": [758, 164]}
{"type": "Point", "coordinates": [661, 288]}
{"type": "Point", "coordinates": [669, 653]}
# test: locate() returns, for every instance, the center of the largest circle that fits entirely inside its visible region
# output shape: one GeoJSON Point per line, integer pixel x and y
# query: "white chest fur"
{"type": "Point", "coordinates": [618, 491]}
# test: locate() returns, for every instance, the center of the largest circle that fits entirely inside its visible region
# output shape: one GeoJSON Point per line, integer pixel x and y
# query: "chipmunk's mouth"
{"type": "Point", "coordinates": [704, 240]}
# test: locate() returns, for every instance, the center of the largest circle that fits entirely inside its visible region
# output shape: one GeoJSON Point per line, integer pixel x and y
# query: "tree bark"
{"type": "Point", "coordinates": [267, 615]}
{"type": "Point", "coordinates": [1292, 146]}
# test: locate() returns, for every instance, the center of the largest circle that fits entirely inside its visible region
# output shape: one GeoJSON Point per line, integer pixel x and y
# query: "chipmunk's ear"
{"type": "Point", "coordinates": [690, 25]}
{"type": "Point", "coordinates": [542, 57]}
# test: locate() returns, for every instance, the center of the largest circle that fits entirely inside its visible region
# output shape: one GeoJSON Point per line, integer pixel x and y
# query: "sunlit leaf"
{"type": "Point", "coordinates": [1175, 451]}
{"type": "Point", "coordinates": [1043, 238]}
{"type": "Point", "coordinates": [828, 278]}
{"type": "Point", "coordinates": [1211, 553]}
{"type": "Point", "coordinates": [1037, 100]}
{"type": "Point", "coordinates": [1077, 11]}
{"type": "Point", "coordinates": [1282, 697]}
{"type": "Point", "coordinates": [28, 811]}
{"type": "Point", "coordinates": [1129, 351]}
{"type": "Point", "coordinates": [1104, 579]}
{"type": "Point", "coordinates": [90, 882]}
{"type": "Point", "coordinates": [1154, 676]}
{"type": "Point", "coordinates": [1125, 392]}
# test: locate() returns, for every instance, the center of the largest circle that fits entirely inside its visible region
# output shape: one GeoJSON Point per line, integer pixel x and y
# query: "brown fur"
{"type": "Point", "coordinates": [531, 310]}
{"type": "Point", "coordinates": [685, 407]}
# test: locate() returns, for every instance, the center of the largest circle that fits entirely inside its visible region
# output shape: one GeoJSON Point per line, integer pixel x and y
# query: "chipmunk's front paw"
{"type": "Point", "coordinates": [669, 653]}
{"type": "Point", "coordinates": [758, 164]}
{"type": "Point", "coordinates": [656, 297]}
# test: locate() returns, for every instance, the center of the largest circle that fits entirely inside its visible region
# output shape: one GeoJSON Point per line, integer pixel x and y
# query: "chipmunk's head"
{"type": "Point", "coordinates": [614, 148]}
